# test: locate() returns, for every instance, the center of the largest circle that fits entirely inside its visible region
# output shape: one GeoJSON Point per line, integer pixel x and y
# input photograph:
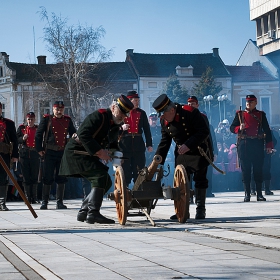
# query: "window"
{"type": "Point", "coordinates": [152, 84]}
{"type": "Point", "coordinates": [1, 71]}
{"type": "Point", "coordinates": [265, 24]}
{"type": "Point", "coordinates": [265, 106]}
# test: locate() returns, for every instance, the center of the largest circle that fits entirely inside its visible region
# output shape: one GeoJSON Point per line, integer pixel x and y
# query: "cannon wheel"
{"type": "Point", "coordinates": [120, 192]}
{"type": "Point", "coordinates": [182, 205]}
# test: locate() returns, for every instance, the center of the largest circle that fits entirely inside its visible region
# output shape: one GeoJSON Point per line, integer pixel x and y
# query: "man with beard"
{"type": "Point", "coordinates": [87, 151]}
{"type": "Point", "coordinates": [253, 134]}
{"type": "Point", "coordinates": [50, 140]}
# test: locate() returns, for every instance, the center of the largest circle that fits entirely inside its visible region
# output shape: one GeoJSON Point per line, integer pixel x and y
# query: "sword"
{"type": "Point", "coordinates": [4, 165]}
{"type": "Point", "coordinates": [210, 161]}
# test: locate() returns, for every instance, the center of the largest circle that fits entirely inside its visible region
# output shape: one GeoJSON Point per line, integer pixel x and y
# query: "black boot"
{"type": "Point", "coordinates": [200, 197]}
{"type": "Point", "coordinates": [59, 196]}
{"type": "Point", "coordinates": [82, 214]}
{"type": "Point", "coordinates": [267, 190]}
{"type": "Point", "coordinates": [259, 192]}
{"type": "Point", "coordinates": [27, 191]}
{"type": "Point", "coordinates": [45, 196]}
{"type": "Point", "coordinates": [94, 205]}
{"type": "Point", "coordinates": [35, 194]}
{"type": "Point", "coordinates": [247, 190]}
{"type": "Point", "coordinates": [3, 197]}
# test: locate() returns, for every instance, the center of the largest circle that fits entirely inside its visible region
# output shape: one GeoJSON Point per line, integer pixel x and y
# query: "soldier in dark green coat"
{"type": "Point", "coordinates": [85, 153]}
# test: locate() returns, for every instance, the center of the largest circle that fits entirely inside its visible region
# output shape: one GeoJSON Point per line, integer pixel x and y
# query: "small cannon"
{"type": "Point", "coordinates": [148, 189]}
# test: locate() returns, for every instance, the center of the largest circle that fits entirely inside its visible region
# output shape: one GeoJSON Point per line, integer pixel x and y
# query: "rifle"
{"type": "Point", "coordinates": [4, 165]}
{"type": "Point", "coordinates": [240, 117]}
{"type": "Point", "coordinates": [41, 169]}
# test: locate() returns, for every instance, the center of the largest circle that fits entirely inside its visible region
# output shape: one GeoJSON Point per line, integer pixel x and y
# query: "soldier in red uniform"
{"type": "Point", "coordinates": [9, 152]}
{"type": "Point", "coordinates": [131, 142]}
{"type": "Point", "coordinates": [29, 158]}
{"type": "Point", "coordinates": [253, 133]}
{"type": "Point", "coordinates": [50, 140]}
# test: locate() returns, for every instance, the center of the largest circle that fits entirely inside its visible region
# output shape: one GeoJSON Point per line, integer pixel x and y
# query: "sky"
{"type": "Point", "coordinates": [147, 26]}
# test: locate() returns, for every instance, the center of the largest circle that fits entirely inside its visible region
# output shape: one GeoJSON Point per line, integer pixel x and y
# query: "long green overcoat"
{"type": "Point", "coordinates": [98, 131]}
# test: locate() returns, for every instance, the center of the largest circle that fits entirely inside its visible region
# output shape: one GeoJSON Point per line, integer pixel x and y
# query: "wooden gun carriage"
{"type": "Point", "coordinates": [148, 189]}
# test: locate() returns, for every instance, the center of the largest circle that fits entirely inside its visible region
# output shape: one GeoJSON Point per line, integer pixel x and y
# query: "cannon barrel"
{"type": "Point", "coordinates": [152, 169]}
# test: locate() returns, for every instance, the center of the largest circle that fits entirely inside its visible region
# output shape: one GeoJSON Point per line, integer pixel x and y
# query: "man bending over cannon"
{"type": "Point", "coordinates": [85, 153]}
{"type": "Point", "coordinates": [186, 127]}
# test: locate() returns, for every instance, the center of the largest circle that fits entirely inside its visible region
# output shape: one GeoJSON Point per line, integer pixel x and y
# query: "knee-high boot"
{"type": "Point", "coordinates": [35, 194]}
{"type": "Point", "coordinates": [94, 205]}
{"type": "Point", "coordinates": [3, 197]}
{"type": "Point", "coordinates": [82, 214]}
{"type": "Point", "coordinates": [200, 198]}
{"type": "Point", "coordinates": [27, 191]}
{"type": "Point", "coordinates": [45, 196]}
{"type": "Point", "coordinates": [259, 192]}
{"type": "Point", "coordinates": [59, 196]}
{"type": "Point", "coordinates": [267, 190]}
{"type": "Point", "coordinates": [247, 189]}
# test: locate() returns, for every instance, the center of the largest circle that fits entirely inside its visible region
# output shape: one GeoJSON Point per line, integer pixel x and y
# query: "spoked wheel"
{"type": "Point", "coordinates": [181, 193]}
{"type": "Point", "coordinates": [120, 193]}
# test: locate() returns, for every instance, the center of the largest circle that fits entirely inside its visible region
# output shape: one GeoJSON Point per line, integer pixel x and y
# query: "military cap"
{"type": "Point", "coordinates": [153, 116]}
{"type": "Point", "coordinates": [58, 104]}
{"type": "Point", "coordinates": [30, 115]}
{"type": "Point", "coordinates": [192, 98]}
{"type": "Point", "coordinates": [125, 104]}
{"type": "Point", "coordinates": [161, 103]}
{"type": "Point", "coordinates": [251, 97]}
{"type": "Point", "coordinates": [132, 94]}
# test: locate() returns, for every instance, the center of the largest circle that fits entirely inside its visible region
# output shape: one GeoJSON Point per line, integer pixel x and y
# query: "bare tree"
{"type": "Point", "coordinates": [73, 47]}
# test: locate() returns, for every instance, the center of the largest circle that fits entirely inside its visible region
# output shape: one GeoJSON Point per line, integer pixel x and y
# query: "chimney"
{"type": "Point", "coordinates": [216, 52]}
{"type": "Point", "coordinates": [129, 52]}
{"type": "Point", "coordinates": [6, 56]}
{"type": "Point", "coordinates": [41, 59]}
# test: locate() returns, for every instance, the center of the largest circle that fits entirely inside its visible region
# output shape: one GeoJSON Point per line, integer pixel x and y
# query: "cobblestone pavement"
{"type": "Point", "coordinates": [237, 240]}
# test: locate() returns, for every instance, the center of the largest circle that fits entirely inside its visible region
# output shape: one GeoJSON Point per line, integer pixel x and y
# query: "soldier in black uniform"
{"type": "Point", "coordinates": [9, 152]}
{"type": "Point", "coordinates": [131, 142]}
{"type": "Point", "coordinates": [86, 152]}
{"type": "Point", "coordinates": [50, 141]}
{"type": "Point", "coordinates": [29, 157]}
{"type": "Point", "coordinates": [186, 127]}
{"type": "Point", "coordinates": [193, 101]}
{"type": "Point", "coordinates": [253, 133]}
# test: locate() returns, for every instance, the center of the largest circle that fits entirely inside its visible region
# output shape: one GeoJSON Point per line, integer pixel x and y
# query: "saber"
{"type": "Point", "coordinates": [210, 161]}
{"type": "Point", "coordinates": [4, 165]}
{"type": "Point", "coordinates": [87, 154]}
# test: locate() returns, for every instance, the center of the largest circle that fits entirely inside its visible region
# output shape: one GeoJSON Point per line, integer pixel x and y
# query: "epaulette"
{"type": "Point", "coordinates": [67, 117]}
{"type": "Point", "coordinates": [203, 114]}
{"type": "Point", "coordinates": [22, 125]}
{"type": "Point", "coordinates": [46, 115]}
{"type": "Point", "coordinates": [188, 108]}
{"type": "Point", "coordinates": [239, 111]}
{"type": "Point", "coordinates": [102, 111]}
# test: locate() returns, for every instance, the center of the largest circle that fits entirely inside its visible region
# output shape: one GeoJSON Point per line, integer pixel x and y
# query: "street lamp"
{"type": "Point", "coordinates": [220, 99]}
{"type": "Point", "coordinates": [208, 98]}
{"type": "Point", "coordinates": [224, 98]}
{"type": "Point", "coordinates": [205, 100]}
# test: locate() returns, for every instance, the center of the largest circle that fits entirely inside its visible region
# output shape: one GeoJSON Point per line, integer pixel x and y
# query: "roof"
{"type": "Point", "coordinates": [163, 65]}
{"type": "Point", "coordinates": [103, 72]}
{"type": "Point", "coordinates": [254, 73]}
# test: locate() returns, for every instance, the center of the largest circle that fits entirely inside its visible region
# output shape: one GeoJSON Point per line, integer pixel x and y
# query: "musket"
{"type": "Point", "coordinates": [88, 154]}
{"type": "Point", "coordinates": [41, 169]}
{"type": "Point", "coordinates": [4, 165]}
{"type": "Point", "coordinates": [240, 121]}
